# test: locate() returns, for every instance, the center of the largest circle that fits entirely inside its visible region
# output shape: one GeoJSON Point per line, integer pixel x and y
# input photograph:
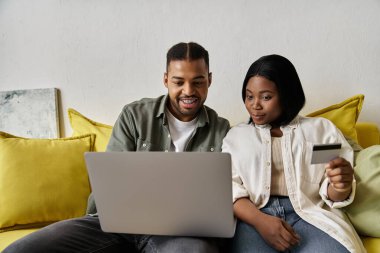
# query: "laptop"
{"type": "Point", "coordinates": [163, 193]}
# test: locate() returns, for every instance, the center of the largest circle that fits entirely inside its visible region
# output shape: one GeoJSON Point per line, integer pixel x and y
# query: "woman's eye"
{"type": "Point", "coordinates": [266, 97]}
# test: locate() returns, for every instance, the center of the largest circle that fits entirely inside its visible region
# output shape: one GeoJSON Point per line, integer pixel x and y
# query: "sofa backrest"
{"type": "Point", "coordinates": [368, 134]}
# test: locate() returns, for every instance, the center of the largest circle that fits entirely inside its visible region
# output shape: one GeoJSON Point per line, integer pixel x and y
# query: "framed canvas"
{"type": "Point", "coordinates": [30, 113]}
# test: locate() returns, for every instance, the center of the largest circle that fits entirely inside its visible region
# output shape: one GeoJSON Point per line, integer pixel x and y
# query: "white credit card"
{"type": "Point", "coordinates": [323, 153]}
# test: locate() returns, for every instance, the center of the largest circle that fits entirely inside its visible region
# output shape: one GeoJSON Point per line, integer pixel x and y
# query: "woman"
{"type": "Point", "coordinates": [281, 200]}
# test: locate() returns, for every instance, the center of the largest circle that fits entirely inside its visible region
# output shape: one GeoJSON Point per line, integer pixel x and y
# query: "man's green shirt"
{"type": "Point", "coordinates": [143, 126]}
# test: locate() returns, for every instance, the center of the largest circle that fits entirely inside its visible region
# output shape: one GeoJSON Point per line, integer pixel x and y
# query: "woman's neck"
{"type": "Point", "coordinates": [276, 132]}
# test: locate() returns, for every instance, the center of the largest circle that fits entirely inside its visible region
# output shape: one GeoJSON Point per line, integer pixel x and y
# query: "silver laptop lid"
{"type": "Point", "coordinates": [163, 193]}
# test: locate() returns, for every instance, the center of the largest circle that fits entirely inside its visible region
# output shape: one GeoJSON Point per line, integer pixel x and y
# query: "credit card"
{"type": "Point", "coordinates": [323, 153]}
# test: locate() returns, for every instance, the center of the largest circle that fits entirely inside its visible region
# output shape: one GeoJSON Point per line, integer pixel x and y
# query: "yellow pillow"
{"type": "Point", "coordinates": [82, 125]}
{"type": "Point", "coordinates": [42, 180]}
{"type": "Point", "coordinates": [344, 115]}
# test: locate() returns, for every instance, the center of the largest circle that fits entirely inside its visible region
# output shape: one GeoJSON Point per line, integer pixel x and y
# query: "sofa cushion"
{"type": "Point", "coordinates": [364, 211]}
{"type": "Point", "coordinates": [344, 115]}
{"type": "Point", "coordinates": [83, 125]}
{"type": "Point", "coordinates": [8, 237]}
{"type": "Point", "coordinates": [42, 180]}
{"type": "Point", "coordinates": [371, 244]}
{"type": "Point", "coordinates": [368, 134]}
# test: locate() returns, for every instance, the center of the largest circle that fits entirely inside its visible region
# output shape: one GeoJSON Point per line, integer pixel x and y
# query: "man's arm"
{"type": "Point", "coordinates": [122, 137]}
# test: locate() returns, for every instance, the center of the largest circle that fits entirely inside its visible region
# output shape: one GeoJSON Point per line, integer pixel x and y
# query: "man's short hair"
{"type": "Point", "coordinates": [187, 51]}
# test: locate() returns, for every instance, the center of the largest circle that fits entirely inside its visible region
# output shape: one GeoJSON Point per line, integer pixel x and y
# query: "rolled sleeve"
{"type": "Point", "coordinates": [339, 204]}
{"type": "Point", "coordinates": [238, 189]}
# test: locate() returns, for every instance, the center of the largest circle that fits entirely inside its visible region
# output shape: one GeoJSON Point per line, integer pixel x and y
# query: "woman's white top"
{"type": "Point", "coordinates": [278, 183]}
{"type": "Point", "coordinates": [250, 149]}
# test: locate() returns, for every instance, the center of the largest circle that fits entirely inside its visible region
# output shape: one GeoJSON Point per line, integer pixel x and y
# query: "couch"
{"type": "Point", "coordinates": [51, 182]}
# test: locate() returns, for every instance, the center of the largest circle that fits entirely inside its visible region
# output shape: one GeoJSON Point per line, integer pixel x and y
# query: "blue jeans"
{"type": "Point", "coordinates": [313, 240]}
{"type": "Point", "coordinates": [85, 235]}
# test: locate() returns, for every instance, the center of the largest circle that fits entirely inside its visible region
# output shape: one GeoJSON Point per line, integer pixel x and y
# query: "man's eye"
{"type": "Point", "coordinates": [249, 97]}
{"type": "Point", "coordinates": [198, 83]}
{"type": "Point", "coordinates": [178, 83]}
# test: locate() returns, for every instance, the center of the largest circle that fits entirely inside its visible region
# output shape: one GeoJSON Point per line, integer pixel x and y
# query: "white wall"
{"type": "Point", "coordinates": [102, 54]}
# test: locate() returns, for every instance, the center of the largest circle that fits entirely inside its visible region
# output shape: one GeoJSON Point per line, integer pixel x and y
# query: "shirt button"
{"type": "Point", "coordinates": [212, 149]}
{"type": "Point", "coordinates": [267, 187]}
{"type": "Point", "coordinates": [168, 135]}
{"type": "Point", "coordinates": [268, 164]}
{"type": "Point", "coordinates": [144, 145]}
{"type": "Point", "coordinates": [266, 142]}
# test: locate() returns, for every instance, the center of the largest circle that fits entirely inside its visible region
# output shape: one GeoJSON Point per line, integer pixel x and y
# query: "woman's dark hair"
{"type": "Point", "coordinates": [281, 71]}
{"type": "Point", "coordinates": [187, 51]}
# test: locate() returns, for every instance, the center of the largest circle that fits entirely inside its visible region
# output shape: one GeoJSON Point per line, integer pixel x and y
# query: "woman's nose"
{"type": "Point", "coordinates": [256, 104]}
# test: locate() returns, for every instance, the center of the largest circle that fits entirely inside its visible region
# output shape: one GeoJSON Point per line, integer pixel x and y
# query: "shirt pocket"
{"type": "Point", "coordinates": [312, 173]}
{"type": "Point", "coordinates": [208, 149]}
{"type": "Point", "coordinates": [143, 145]}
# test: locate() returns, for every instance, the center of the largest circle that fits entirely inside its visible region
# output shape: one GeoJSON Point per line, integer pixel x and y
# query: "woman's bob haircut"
{"type": "Point", "coordinates": [281, 71]}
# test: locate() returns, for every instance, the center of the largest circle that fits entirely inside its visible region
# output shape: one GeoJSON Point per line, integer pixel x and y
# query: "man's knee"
{"type": "Point", "coordinates": [182, 244]}
{"type": "Point", "coordinates": [30, 243]}
{"type": "Point", "coordinates": [47, 239]}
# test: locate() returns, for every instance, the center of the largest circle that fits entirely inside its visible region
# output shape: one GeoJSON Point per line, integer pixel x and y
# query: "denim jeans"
{"type": "Point", "coordinates": [313, 240]}
{"type": "Point", "coordinates": [85, 235]}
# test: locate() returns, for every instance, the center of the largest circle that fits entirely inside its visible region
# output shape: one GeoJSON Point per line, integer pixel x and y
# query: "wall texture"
{"type": "Point", "coordinates": [102, 54]}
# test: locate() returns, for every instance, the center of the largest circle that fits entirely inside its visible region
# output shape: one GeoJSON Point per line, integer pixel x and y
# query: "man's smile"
{"type": "Point", "coordinates": [188, 102]}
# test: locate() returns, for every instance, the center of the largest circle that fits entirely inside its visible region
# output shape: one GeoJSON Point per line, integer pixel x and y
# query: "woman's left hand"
{"type": "Point", "coordinates": [340, 174]}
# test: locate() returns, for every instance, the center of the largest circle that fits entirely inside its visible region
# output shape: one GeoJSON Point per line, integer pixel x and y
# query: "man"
{"type": "Point", "coordinates": [177, 122]}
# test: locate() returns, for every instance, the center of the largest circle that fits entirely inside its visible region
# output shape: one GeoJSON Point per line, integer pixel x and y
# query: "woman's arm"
{"type": "Point", "coordinates": [275, 231]}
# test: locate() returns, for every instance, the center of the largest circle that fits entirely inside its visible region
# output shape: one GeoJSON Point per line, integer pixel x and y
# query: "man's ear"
{"type": "Point", "coordinates": [209, 79]}
{"type": "Point", "coordinates": [165, 79]}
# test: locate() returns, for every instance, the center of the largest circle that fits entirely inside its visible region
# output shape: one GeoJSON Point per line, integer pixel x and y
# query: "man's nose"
{"type": "Point", "coordinates": [188, 89]}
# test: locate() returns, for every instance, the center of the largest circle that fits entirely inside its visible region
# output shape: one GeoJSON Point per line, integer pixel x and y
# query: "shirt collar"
{"type": "Point", "coordinates": [292, 125]}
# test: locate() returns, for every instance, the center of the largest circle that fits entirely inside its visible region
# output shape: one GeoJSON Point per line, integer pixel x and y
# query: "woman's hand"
{"type": "Point", "coordinates": [340, 174]}
{"type": "Point", "coordinates": [276, 232]}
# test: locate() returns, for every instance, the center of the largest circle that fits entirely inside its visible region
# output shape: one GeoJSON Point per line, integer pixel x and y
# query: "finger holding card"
{"type": "Point", "coordinates": [340, 174]}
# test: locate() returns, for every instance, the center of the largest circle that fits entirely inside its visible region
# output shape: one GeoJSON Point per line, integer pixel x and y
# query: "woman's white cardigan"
{"type": "Point", "coordinates": [250, 149]}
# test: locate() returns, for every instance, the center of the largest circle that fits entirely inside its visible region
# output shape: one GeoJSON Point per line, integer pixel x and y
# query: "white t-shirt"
{"type": "Point", "coordinates": [180, 131]}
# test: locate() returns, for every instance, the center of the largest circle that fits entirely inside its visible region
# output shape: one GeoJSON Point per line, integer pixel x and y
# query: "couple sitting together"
{"type": "Point", "coordinates": [282, 202]}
